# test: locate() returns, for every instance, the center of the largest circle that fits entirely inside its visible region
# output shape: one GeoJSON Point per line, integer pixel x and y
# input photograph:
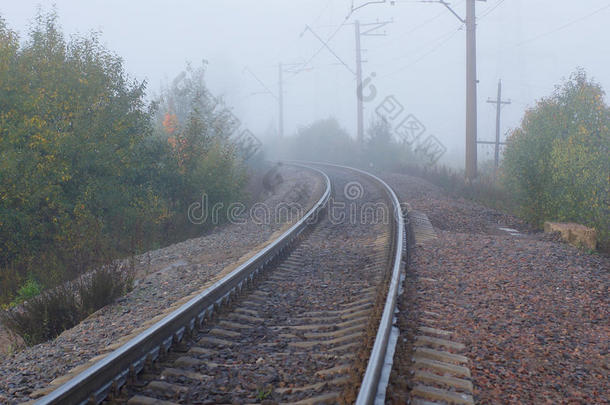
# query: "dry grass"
{"type": "Point", "coordinates": [47, 315]}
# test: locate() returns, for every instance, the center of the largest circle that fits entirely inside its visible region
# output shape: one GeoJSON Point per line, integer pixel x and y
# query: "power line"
{"type": "Point", "coordinates": [324, 9]}
{"type": "Point", "coordinates": [322, 12]}
{"type": "Point", "coordinates": [564, 26]}
{"type": "Point", "coordinates": [323, 46]}
{"type": "Point", "coordinates": [423, 47]}
{"type": "Point", "coordinates": [448, 36]}
{"type": "Point", "coordinates": [411, 31]}
{"type": "Point", "coordinates": [264, 86]}
{"type": "Point", "coordinates": [491, 10]}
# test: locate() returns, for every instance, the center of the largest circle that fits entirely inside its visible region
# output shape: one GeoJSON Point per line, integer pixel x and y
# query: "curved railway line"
{"type": "Point", "coordinates": [306, 320]}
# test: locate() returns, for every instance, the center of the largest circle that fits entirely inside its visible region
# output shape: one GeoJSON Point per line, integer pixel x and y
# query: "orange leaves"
{"type": "Point", "coordinates": [170, 123]}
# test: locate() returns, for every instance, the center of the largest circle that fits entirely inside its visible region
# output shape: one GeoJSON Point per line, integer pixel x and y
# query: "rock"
{"type": "Point", "coordinates": [575, 234]}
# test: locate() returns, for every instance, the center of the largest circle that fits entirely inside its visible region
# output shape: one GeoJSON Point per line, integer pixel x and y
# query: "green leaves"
{"type": "Point", "coordinates": [557, 162]}
{"type": "Point", "coordinates": [83, 176]}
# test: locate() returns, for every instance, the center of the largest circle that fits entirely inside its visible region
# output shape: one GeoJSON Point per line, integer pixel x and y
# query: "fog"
{"type": "Point", "coordinates": [531, 46]}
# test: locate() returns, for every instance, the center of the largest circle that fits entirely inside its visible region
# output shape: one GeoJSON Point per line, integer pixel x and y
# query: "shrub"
{"type": "Point", "coordinates": [381, 150]}
{"type": "Point", "coordinates": [323, 141]}
{"type": "Point", "coordinates": [29, 290]}
{"type": "Point", "coordinates": [556, 164]}
{"type": "Point", "coordinates": [103, 286]}
{"type": "Point", "coordinates": [46, 315]}
{"type": "Point", "coordinates": [485, 189]}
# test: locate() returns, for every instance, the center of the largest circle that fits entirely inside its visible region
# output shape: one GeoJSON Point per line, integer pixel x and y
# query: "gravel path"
{"type": "Point", "coordinates": [533, 313]}
{"type": "Point", "coordinates": [167, 276]}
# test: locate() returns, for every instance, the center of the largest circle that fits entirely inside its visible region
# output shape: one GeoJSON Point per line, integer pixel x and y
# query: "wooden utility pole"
{"type": "Point", "coordinates": [498, 102]}
{"type": "Point", "coordinates": [360, 103]}
{"type": "Point", "coordinates": [280, 100]}
{"type": "Point", "coordinates": [471, 90]}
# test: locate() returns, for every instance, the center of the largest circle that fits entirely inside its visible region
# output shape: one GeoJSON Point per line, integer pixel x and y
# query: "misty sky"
{"type": "Point", "coordinates": [530, 45]}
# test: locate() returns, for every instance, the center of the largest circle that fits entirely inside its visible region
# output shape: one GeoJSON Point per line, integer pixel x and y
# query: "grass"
{"type": "Point", "coordinates": [485, 189]}
{"type": "Point", "coordinates": [263, 393]}
{"type": "Point", "coordinates": [45, 316]}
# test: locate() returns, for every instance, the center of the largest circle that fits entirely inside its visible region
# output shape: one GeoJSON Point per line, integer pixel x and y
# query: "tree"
{"type": "Point", "coordinates": [557, 163]}
{"type": "Point", "coordinates": [90, 172]}
{"type": "Point", "coordinates": [197, 127]}
{"type": "Point", "coordinates": [323, 141]}
{"type": "Point", "coordinates": [383, 151]}
{"type": "Point", "coordinates": [71, 129]}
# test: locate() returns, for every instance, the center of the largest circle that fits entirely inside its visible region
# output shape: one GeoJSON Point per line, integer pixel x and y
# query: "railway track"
{"type": "Point", "coordinates": [306, 320]}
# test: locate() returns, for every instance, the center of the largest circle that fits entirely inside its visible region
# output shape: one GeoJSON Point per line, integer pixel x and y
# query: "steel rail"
{"type": "Point", "coordinates": [371, 380]}
{"type": "Point", "coordinates": [109, 374]}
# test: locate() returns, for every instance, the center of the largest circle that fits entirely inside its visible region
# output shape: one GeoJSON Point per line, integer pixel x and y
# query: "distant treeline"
{"type": "Point", "coordinates": [326, 140]}
{"type": "Point", "coordinates": [556, 165]}
{"type": "Point", "coordinates": [89, 171]}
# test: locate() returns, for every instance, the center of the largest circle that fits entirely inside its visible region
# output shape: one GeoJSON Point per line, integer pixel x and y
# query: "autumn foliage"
{"type": "Point", "coordinates": [86, 173]}
{"type": "Point", "coordinates": [557, 164]}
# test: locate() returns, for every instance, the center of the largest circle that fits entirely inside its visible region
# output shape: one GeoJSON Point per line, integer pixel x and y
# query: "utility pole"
{"type": "Point", "coordinates": [358, 73]}
{"type": "Point", "coordinates": [280, 96]}
{"type": "Point", "coordinates": [471, 90]}
{"type": "Point", "coordinates": [471, 85]}
{"type": "Point", "coordinates": [280, 100]}
{"type": "Point", "coordinates": [359, 84]}
{"type": "Point", "coordinates": [370, 32]}
{"type": "Point", "coordinates": [498, 102]}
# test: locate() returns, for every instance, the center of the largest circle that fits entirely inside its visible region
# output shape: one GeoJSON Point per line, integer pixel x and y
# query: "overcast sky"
{"type": "Point", "coordinates": [530, 45]}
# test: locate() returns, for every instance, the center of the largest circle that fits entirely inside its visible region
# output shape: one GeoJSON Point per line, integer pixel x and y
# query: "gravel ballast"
{"type": "Point", "coordinates": [532, 312]}
{"type": "Point", "coordinates": [165, 277]}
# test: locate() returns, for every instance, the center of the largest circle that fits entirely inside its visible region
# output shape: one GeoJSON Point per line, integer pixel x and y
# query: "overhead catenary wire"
{"type": "Point", "coordinates": [447, 37]}
{"type": "Point", "coordinates": [324, 46]}
{"type": "Point", "coordinates": [410, 31]}
{"type": "Point", "coordinates": [491, 10]}
{"type": "Point", "coordinates": [564, 26]}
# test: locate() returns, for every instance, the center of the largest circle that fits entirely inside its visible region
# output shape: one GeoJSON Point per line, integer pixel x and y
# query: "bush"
{"type": "Point", "coordinates": [485, 189]}
{"type": "Point", "coordinates": [556, 164]}
{"type": "Point", "coordinates": [381, 150]}
{"type": "Point", "coordinates": [46, 315]}
{"type": "Point", "coordinates": [29, 290]}
{"type": "Point", "coordinates": [103, 286]}
{"type": "Point", "coordinates": [323, 141]}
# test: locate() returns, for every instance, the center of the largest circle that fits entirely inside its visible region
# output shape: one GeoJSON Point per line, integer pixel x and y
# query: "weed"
{"type": "Point", "coordinates": [45, 316]}
{"type": "Point", "coordinates": [29, 290]}
{"type": "Point", "coordinates": [263, 393]}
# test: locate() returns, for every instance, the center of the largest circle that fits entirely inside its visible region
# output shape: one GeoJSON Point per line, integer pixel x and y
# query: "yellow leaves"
{"type": "Point", "coordinates": [556, 161]}
{"type": "Point", "coordinates": [35, 122]}
{"type": "Point", "coordinates": [582, 130]}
